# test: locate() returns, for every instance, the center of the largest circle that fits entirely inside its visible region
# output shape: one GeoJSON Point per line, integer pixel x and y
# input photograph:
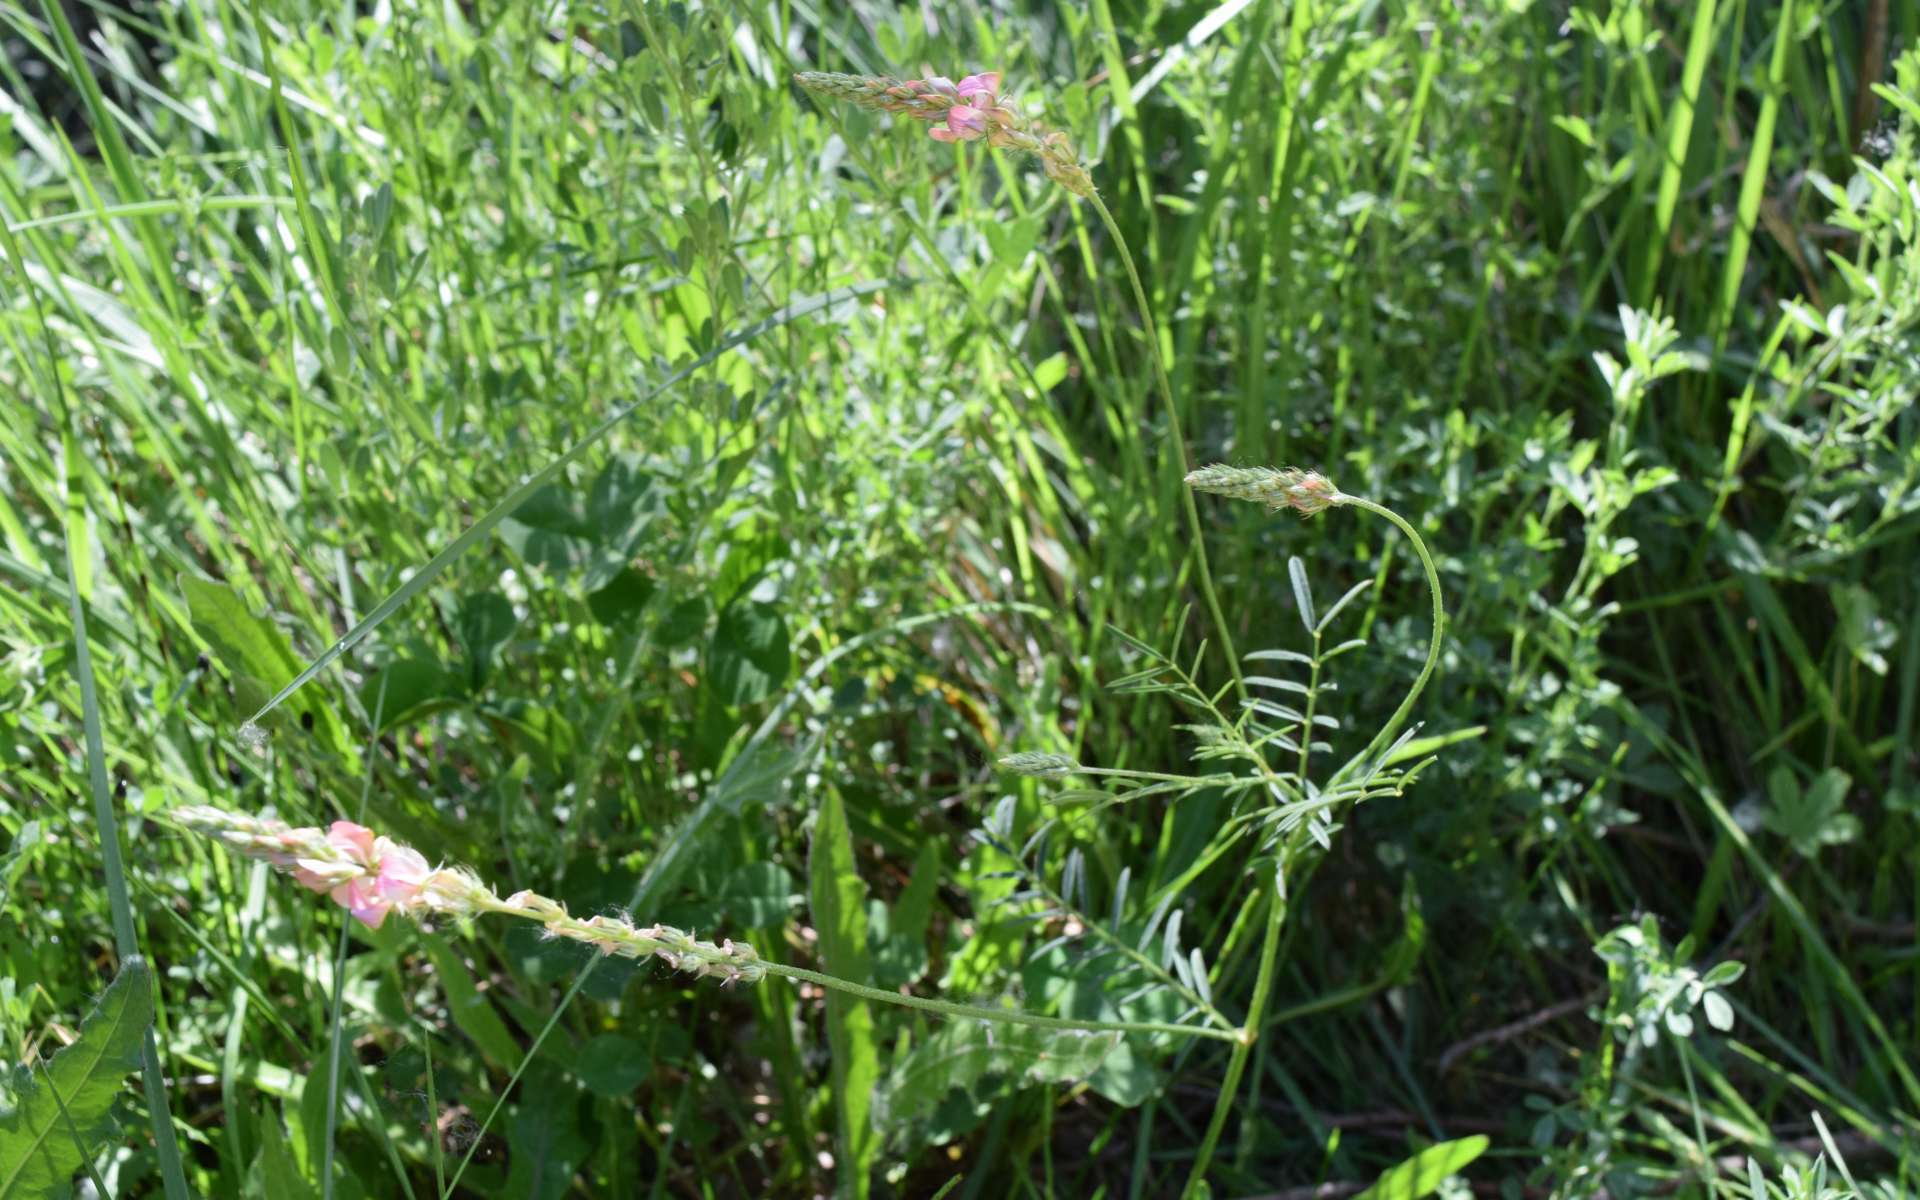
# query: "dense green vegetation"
{"type": "Point", "coordinates": [839, 472]}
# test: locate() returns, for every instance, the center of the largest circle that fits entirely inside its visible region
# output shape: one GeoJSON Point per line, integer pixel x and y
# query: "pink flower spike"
{"type": "Point", "coordinates": [985, 81]}
{"type": "Point", "coordinates": [403, 872]}
{"type": "Point", "coordinates": [942, 85]}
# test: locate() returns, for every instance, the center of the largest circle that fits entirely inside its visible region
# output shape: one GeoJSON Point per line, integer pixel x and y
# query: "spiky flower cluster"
{"type": "Point", "coordinates": [1305, 492]}
{"type": "Point", "coordinates": [961, 112]}
{"type": "Point", "coordinates": [1039, 764]}
{"type": "Point", "coordinates": [371, 875]}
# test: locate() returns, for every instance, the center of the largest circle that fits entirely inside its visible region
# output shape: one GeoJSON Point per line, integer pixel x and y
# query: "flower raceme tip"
{"type": "Point", "coordinates": [960, 112]}
{"type": "Point", "coordinates": [370, 876]}
{"type": "Point", "coordinates": [1305, 492]}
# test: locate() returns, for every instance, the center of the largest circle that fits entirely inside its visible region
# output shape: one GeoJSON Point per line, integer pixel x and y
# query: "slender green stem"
{"type": "Point", "coordinates": [1179, 421]}
{"type": "Point", "coordinates": [1247, 1035]}
{"type": "Point", "coordinates": [1385, 737]}
{"type": "Point", "coordinates": [1005, 1016]}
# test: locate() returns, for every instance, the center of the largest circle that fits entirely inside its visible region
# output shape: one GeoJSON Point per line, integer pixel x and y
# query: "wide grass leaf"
{"type": "Point", "coordinates": [61, 1114]}
{"type": "Point", "coordinates": [840, 917]}
{"type": "Point", "coordinates": [1423, 1174]}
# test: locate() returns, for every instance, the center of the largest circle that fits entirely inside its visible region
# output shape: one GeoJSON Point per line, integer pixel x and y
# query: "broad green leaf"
{"type": "Point", "coordinates": [759, 895]}
{"type": "Point", "coordinates": [38, 1149]}
{"type": "Point", "coordinates": [613, 1065]}
{"type": "Point", "coordinates": [254, 652]}
{"type": "Point", "coordinates": [898, 936]}
{"type": "Point", "coordinates": [544, 1142]}
{"type": "Point", "coordinates": [274, 1174]}
{"type": "Point", "coordinates": [749, 659]}
{"type": "Point", "coordinates": [840, 917]}
{"type": "Point", "coordinates": [415, 688]}
{"type": "Point", "coordinates": [961, 1054]}
{"type": "Point", "coordinates": [470, 1009]}
{"type": "Point", "coordinates": [1423, 1174]}
{"type": "Point", "coordinates": [484, 624]}
{"type": "Point", "coordinates": [620, 505]}
{"type": "Point", "coordinates": [623, 596]}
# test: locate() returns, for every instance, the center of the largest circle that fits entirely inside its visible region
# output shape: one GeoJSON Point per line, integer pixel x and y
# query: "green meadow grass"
{"type": "Point", "coordinates": [674, 494]}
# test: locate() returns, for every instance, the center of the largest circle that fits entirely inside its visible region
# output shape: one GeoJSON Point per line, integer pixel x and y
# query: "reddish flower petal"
{"type": "Point", "coordinates": [402, 872]}
{"type": "Point", "coordinates": [354, 840]}
{"type": "Point", "coordinates": [985, 81]}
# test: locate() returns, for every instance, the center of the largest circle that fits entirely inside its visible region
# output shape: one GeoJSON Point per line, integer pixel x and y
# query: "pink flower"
{"type": "Point", "coordinates": [347, 846]}
{"type": "Point", "coordinates": [366, 875]}
{"type": "Point", "coordinates": [403, 872]}
{"type": "Point", "coordinates": [964, 123]}
{"type": "Point", "coordinates": [361, 897]}
{"type": "Point", "coordinates": [987, 82]}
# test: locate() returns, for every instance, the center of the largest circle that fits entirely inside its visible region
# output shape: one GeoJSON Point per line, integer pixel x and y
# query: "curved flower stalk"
{"type": "Point", "coordinates": [371, 876]}
{"type": "Point", "coordinates": [1307, 493]}
{"type": "Point", "coordinates": [960, 112]}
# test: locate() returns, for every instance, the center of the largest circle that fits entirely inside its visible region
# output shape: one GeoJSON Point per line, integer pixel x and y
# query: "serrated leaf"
{"type": "Point", "coordinates": [1423, 1174]}
{"type": "Point", "coordinates": [61, 1113]}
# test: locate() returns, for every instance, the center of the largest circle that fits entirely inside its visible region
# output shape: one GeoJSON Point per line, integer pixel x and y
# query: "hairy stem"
{"type": "Point", "coordinates": [1178, 420]}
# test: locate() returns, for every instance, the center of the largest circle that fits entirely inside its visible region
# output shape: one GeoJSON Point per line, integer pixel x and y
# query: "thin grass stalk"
{"type": "Point", "coordinates": [1753, 182]}
{"type": "Point", "coordinates": [113, 865]}
{"type": "Point", "coordinates": [476, 532]}
{"type": "Point", "coordinates": [1177, 416]}
{"type": "Point", "coordinates": [1679, 136]}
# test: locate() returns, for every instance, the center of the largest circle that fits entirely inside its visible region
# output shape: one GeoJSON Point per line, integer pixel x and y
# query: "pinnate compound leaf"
{"type": "Point", "coordinates": [1423, 1174]}
{"type": "Point", "coordinates": [42, 1146]}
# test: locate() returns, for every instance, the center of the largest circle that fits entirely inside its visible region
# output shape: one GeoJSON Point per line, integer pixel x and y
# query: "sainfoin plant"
{"type": "Point", "coordinates": [1264, 739]}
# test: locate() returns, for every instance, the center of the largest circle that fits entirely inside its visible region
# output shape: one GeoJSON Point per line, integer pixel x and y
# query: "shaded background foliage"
{"type": "Point", "coordinates": [309, 342]}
